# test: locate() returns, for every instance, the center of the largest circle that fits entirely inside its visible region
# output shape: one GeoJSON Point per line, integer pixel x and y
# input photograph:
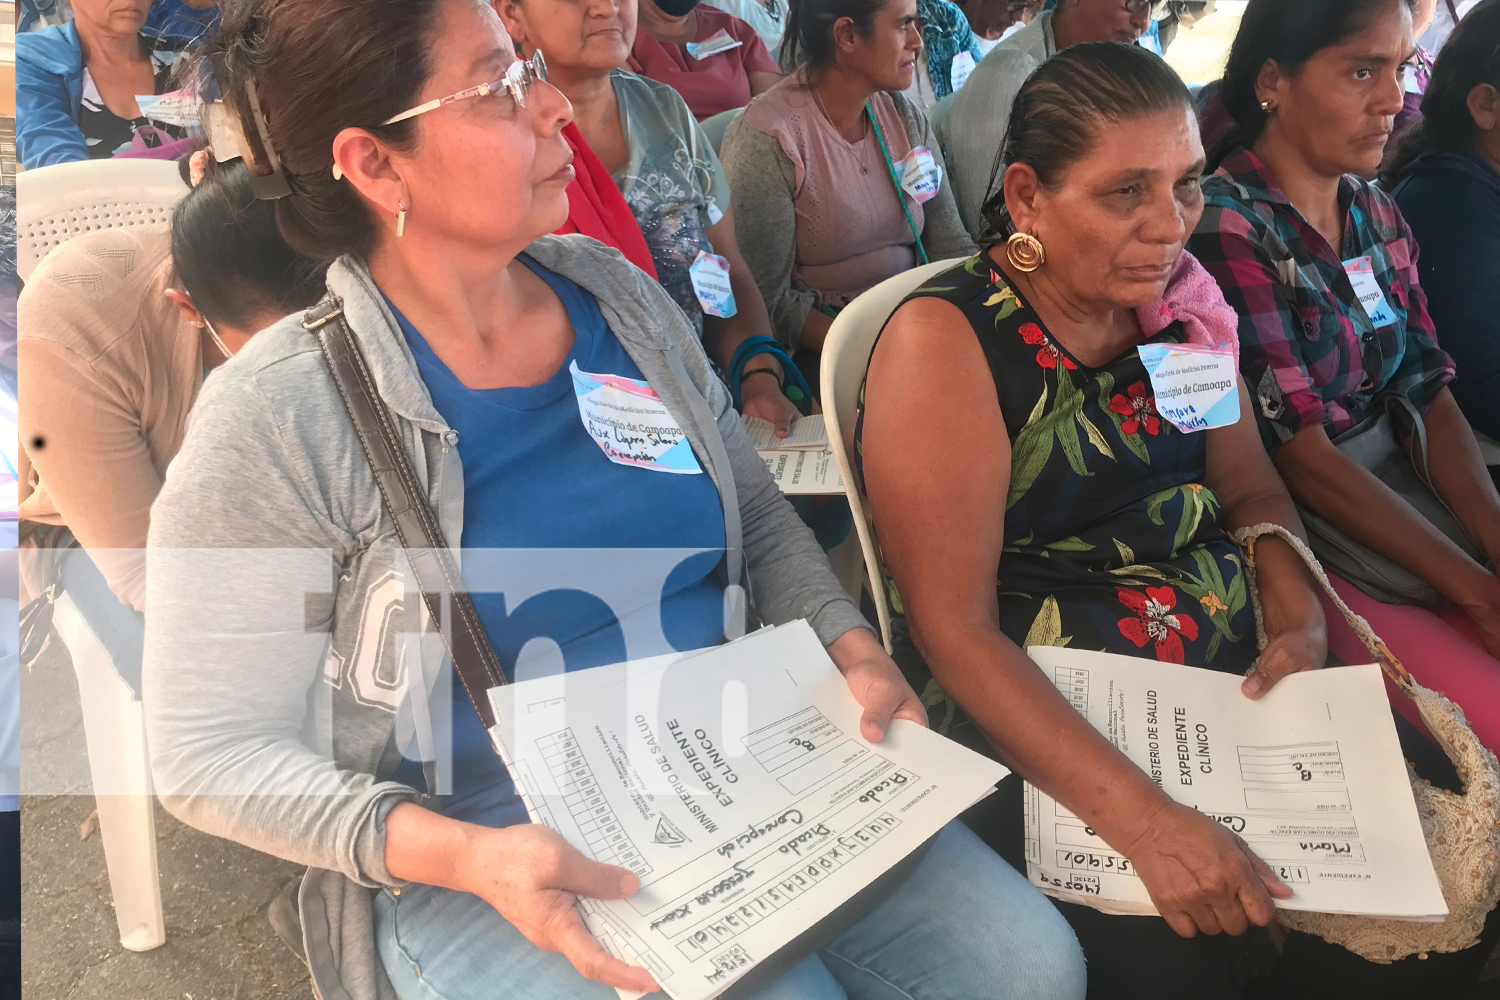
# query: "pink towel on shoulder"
{"type": "Point", "coordinates": [1195, 299]}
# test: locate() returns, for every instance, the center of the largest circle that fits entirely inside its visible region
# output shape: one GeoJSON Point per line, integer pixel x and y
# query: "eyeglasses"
{"type": "Point", "coordinates": [517, 79]}
{"type": "Point", "coordinates": [1158, 8]}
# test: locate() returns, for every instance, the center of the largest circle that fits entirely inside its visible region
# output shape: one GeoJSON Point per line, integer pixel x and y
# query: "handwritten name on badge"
{"type": "Point", "coordinates": [630, 423]}
{"type": "Point", "coordinates": [710, 274]}
{"type": "Point", "coordinates": [920, 175]}
{"type": "Point", "coordinates": [1361, 274]}
{"type": "Point", "coordinates": [1197, 388]}
{"type": "Point", "coordinates": [719, 41]}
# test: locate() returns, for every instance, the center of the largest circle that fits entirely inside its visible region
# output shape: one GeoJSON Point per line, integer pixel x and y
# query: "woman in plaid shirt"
{"type": "Point", "coordinates": [1322, 269]}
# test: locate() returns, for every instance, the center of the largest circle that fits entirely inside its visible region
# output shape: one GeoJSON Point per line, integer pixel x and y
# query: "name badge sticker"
{"type": "Point", "coordinates": [710, 274]}
{"type": "Point", "coordinates": [958, 73]}
{"type": "Point", "coordinates": [719, 41]}
{"type": "Point", "coordinates": [920, 175]}
{"type": "Point", "coordinates": [630, 423]}
{"type": "Point", "coordinates": [1362, 276]}
{"type": "Point", "coordinates": [1197, 388]}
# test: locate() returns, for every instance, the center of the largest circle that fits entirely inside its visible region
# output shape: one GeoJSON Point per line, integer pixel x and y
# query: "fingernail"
{"type": "Point", "coordinates": [629, 884]}
{"type": "Point", "coordinates": [1252, 685]}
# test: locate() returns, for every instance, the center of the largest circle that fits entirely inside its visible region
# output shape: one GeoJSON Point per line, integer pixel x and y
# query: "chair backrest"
{"type": "Point", "coordinates": [846, 355]}
{"type": "Point", "coordinates": [715, 126]}
{"type": "Point", "coordinates": [56, 203]}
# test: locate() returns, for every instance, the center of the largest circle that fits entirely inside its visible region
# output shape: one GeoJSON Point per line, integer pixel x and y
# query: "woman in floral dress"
{"type": "Point", "coordinates": [1026, 491]}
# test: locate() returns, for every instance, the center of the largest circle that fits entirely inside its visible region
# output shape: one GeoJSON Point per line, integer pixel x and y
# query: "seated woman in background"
{"type": "Point", "coordinates": [839, 179]}
{"type": "Point", "coordinates": [1025, 491]}
{"type": "Point", "coordinates": [993, 20]}
{"type": "Point", "coordinates": [1445, 175]}
{"type": "Point", "coordinates": [645, 137]}
{"type": "Point", "coordinates": [950, 51]}
{"type": "Point", "coordinates": [77, 84]}
{"type": "Point", "coordinates": [472, 319]}
{"type": "Point", "coordinates": [767, 17]}
{"type": "Point", "coordinates": [1335, 331]}
{"type": "Point", "coordinates": [976, 122]}
{"type": "Point", "coordinates": [119, 329]}
{"type": "Point", "coordinates": [714, 60]}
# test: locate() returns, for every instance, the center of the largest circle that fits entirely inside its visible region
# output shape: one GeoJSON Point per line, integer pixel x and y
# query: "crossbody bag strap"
{"type": "Point", "coordinates": [1246, 539]}
{"type": "Point", "coordinates": [432, 564]}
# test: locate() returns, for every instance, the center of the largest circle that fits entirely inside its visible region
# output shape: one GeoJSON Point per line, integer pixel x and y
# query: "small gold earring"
{"type": "Point", "coordinates": [338, 172]}
{"type": "Point", "coordinates": [1268, 107]}
{"type": "Point", "coordinates": [1025, 252]}
{"type": "Point", "coordinates": [400, 219]}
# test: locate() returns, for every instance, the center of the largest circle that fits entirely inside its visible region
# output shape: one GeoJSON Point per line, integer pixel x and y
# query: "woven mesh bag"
{"type": "Point", "coordinates": [1462, 831]}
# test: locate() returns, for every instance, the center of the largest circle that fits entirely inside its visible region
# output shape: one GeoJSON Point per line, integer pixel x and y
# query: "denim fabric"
{"type": "Point", "coordinates": [963, 926]}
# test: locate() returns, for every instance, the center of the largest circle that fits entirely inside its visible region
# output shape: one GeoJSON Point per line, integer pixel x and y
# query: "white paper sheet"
{"type": "Point", "coordinates": [735, 783]}
{"type": "Point", "coordinates": [807, 434]}
{"type": "Point", "coordinates": [1311, 776]}
{"type": "Point", "coordinates": [805, 473]}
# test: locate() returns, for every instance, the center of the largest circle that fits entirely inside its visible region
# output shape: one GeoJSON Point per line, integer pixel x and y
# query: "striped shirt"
{"type": "Point", "coordinates": [1309, 349]}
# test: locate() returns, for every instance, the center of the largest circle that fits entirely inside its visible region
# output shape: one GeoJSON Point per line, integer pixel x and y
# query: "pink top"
{"type": "Point", "coordinates": [720, 82]}
{"type": "Point", "coordinates": [851, 232]}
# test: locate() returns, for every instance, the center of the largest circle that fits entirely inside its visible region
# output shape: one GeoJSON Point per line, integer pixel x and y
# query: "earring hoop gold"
{"type": "Point", "coordinates": [1025, 252]}
{"type": "Point", "coordinates": [400, 219]}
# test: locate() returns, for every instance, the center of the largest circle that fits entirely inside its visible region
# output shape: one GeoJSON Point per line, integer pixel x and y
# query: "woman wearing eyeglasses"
{"type": "Point", "coordinates": [974, 128]}
{"type": "Point", "coordinates": [281, 710]}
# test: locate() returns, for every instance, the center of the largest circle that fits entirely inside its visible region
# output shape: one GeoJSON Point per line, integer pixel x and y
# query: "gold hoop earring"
{"type": "Point", "coordinates": [400, 219]}
{"type": "Point", "coordinates": [1025, 252]}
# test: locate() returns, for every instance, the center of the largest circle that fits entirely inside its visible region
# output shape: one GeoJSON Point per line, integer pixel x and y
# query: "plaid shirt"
{"type": "Point", "coordinates": [1308, 349]}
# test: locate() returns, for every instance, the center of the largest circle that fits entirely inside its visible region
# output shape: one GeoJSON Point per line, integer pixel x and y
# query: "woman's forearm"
{"type": "Point", "coordinates": [424, 846]}
{"type": "Point", "coordinates": [1355, 501]}
{"type": "Point", "coordinates": [815, 330]}
{"type": "Point", "coordinates": [1459, 474]}
{"type": "Point", "coordinates": [1037, 733]}
{"type": "Point", "coordinates": [1288, 592]}
{"type": "Point", "coordinates": [721, 337]}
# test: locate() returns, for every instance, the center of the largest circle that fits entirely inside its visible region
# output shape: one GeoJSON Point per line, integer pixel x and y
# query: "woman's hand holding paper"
{"type": "Point", "coordinates": [876, 683]}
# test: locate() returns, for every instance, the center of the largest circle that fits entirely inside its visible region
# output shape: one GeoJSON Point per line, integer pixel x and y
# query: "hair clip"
{"type": "Point", "coordinates": [226, 137]}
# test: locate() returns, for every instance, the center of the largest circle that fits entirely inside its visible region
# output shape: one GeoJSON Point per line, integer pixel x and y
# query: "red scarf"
{"type": "Point", "coordinates": [596, 208]}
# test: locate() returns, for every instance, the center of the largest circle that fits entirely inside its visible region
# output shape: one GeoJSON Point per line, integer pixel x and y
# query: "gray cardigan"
{"type": "Point", "coordinates": [274, 672]}
{"type": "Point", "coordinates": [765, 216]}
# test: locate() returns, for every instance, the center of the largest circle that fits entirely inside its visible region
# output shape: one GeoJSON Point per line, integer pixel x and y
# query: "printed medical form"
{"type": "Point", "coordinates": [1311, 776]}
{"type": "Point", "coordinates": [735, 783]}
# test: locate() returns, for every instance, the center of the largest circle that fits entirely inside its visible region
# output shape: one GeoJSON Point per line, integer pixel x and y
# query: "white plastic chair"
{"type": "Point", "coordinates": [714, 126]}
{"type": "Point", "coordinates": [56, 203]}
{"type": "Point", "coordinates": [114, 727]}
{"type": "Point", "coordinates": [846, 355]}
{"type": "Point", "coordinates": [1489, 448]}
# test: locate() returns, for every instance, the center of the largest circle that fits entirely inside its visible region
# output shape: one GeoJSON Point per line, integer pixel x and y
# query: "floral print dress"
{"type": "Point", "coordinates": [1112, 539]}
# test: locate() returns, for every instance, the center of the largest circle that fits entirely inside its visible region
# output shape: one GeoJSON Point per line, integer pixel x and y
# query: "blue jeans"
{"type": "Point", "coordinates": [963, 926]}
{"type": "Point", "coordinates": [120, 629]}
